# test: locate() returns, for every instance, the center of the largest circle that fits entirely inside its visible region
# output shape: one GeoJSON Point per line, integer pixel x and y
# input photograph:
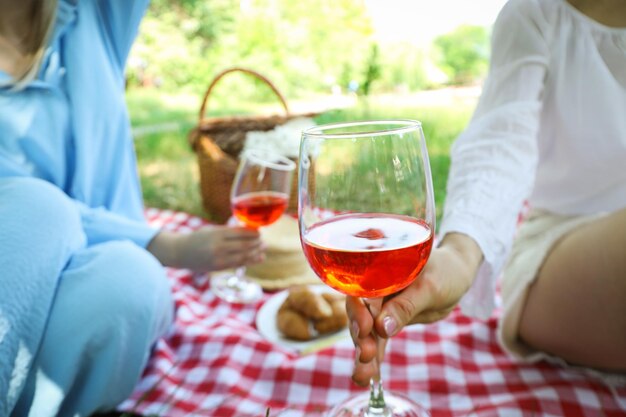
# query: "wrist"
{"type": "Point", "coordinates": [466, 250]}
{"type": "Point", "coordinates": [165, 247]}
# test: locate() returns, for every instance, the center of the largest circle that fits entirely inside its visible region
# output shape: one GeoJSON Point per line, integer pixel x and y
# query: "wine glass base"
{"type": "Point", "coordinates": [397, 406]}
{"type": "Point", "coordinates": [233, 289]}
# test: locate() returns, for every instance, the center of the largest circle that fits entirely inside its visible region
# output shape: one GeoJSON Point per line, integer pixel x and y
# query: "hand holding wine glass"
{"type": "Point", "coordinates": [367, 219]}
{"type": "Point", "coordinates": [259, 197]}
{"type": "Point", "coordinates": [443, 281]}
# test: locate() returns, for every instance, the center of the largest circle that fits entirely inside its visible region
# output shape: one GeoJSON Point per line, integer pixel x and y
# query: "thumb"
{"type": "Point", "coordinates": [400, 310]}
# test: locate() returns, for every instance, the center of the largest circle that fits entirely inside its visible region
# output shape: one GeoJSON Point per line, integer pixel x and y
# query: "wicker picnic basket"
{"type": "Point", "coordinates": [218, 141]}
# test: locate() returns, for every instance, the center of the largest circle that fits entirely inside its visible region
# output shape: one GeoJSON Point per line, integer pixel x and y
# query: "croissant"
{"type": "Point", "coordinates": [306, 314]}
{"type": "Point", "coordinates": [337, 321]}
{"type": "Point", "coordinates": [311, 304]}
{"type": "Point", "coordinates": [331, 297]}
{"type": "Point", "coordinates": [293, 325]}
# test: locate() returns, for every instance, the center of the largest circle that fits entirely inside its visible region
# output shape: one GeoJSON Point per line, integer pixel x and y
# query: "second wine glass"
{"type": "Point", "coordinates": [259, 196]}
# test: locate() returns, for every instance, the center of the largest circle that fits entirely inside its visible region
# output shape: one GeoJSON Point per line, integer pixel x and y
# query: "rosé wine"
{"type": "Point", "coordinates": [259, 208]}
{"type": "Point", "coordinates": [368, 255]}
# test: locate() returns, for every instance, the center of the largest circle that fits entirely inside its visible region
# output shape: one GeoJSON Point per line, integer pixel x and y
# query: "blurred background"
{"type": "Point", "coordinates": [343, 59]}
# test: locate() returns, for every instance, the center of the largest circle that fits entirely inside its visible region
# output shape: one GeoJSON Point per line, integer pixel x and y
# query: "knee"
{"type": "Point", "coordinates": [128, 291]}
{"type": "Point", "coordinates": [38, 206]}
{"type": "Point", "coordinates": [112, 304]}
{"type": "Point", "coordinates": [138, 288]}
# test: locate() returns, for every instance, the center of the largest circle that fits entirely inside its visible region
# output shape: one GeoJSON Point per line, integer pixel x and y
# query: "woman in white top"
{"type": "Point", "coordinates": [549, 129]}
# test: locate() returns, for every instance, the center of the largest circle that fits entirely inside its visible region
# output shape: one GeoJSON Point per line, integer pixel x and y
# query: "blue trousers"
{"type": "Point", "coordinates": [81, 319]}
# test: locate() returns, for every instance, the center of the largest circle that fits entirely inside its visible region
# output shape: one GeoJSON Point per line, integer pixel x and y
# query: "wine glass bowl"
{"type": "Point", "coordinates": [259, 197]}
{"type": "Point", "coordinates": [367, 218]}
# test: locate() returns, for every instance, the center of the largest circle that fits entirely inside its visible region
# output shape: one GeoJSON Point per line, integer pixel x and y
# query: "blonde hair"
{"type": "Point", "coordinates": [33, 44]}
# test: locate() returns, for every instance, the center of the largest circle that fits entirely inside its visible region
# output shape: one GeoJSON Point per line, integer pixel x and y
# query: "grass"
{"type": "Point", "coordinates": [168, 167]}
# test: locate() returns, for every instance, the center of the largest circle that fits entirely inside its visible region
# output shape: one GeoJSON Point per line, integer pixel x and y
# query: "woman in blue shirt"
{"type": "Point", "coordinates": [84, 293]}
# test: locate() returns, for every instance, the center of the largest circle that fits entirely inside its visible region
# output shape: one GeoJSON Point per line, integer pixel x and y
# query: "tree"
{"type": "Point", "coordinates": [198, 19]}
{"type": "Point", "coordinates": [463, 53]}
{"type": "Point", "coordinates": [302, 46]}
{"type": "Point", "coordinates": [372, 69]}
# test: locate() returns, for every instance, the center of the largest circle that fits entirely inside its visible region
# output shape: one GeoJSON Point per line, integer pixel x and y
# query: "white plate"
{"type": "Point", "coordinates": [266, 324]}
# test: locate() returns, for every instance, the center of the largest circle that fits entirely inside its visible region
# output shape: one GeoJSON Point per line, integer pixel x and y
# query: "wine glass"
{"type": "Point", "coordinates": [367, 219]}
{"type": "Point", "coordinates": [259, 196]}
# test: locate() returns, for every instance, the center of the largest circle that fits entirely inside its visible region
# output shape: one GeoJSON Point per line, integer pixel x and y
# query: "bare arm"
{"type": "Point", "coordinates": [211, 248]}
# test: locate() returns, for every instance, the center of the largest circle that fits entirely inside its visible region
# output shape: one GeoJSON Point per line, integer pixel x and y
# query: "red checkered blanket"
{"type": "Point", "coordinates": [215, 363]}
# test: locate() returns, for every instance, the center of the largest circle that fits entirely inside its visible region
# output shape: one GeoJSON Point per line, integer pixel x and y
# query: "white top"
{"type": "Point", "coordinates": [550, 128]}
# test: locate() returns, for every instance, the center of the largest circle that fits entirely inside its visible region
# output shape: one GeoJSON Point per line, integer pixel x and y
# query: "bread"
{"type": "Point", "coordinates": [284, 264]}
{"type": "Point", "coordinates": [306, 314]}
{"type": "Point", "coordinates": [336, 321]}
{"type": "Point", "coordinates": [308, 303]}
{"type": "Point", "coordinates": [293, 325]}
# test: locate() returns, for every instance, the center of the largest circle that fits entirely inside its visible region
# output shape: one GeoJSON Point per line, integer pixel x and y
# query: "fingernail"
{"type": "Point", "coordinates": [357, 355]}
{"type": "Point", "coordinates": [354, 329]}
{"type": "Point", "coordinates": [390, 325]}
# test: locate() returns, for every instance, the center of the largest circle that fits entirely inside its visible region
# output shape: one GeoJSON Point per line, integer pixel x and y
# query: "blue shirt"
{"type": "Point", "coordinates": [70, 127]}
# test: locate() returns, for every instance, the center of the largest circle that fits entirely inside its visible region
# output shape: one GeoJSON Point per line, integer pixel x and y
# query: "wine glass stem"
{"type": "Point", "coordinates": [238, 278]}
{"type": "Point", "coordinates": [240, 272]}
{"type": "Point", "coordinates": [376, 406]}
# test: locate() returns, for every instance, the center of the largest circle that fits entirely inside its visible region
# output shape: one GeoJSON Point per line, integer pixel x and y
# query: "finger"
{"type": "Point", "coordinates": [368, 349]}
{"type": "Point", "coordinates": [241, 233]}
{"type": "Point", "coordinates": [239, 258]}
{"type": "Point", "coordinates": [240, 247]}
{"type": "Point", "coordinates": [361, 321]}
{"type": "Point", "coordinates": [363, 371]}
{"type": "Point", "coordinates": [255, 257]}
{"type": "Point", "coordinates": [226, 260]}
{"type": "Point", "coordinates": [366, 368]}
{"type": "Point", "coordinates": [400, 310]}
{"type": "Point", "coordinates": [374, 305]}
{"type": "Point", "coordinates": [223, 234]}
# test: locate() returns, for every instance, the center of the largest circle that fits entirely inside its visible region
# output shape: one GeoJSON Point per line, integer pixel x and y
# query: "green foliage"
{"type": "Point", "coordinates": [323, 37]}
{"type": "Point", "coordinates": [403, 68]}
{"type": "Point", "coordinates": [304, 47]}
{"type": "Point", "coordinates": [372, 69]}
{"type": "Point", "coordinates": [198, 19]}
{"type": "Point", "coordinates": [464, 53]}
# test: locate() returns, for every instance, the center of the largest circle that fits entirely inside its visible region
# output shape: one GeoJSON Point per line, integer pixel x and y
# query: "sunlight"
{"type": "Point", "coordinates": [419, 21]}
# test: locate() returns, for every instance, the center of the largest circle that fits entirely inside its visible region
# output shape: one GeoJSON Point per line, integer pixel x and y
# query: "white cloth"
{"type": "Point", "coordinates": [284, 139]}
{"type": "Point", "coordinates": [550, 128]}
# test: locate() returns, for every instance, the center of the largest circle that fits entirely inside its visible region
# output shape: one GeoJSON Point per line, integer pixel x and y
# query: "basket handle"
{"type": "Point", "coordinates": [246, 71]}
